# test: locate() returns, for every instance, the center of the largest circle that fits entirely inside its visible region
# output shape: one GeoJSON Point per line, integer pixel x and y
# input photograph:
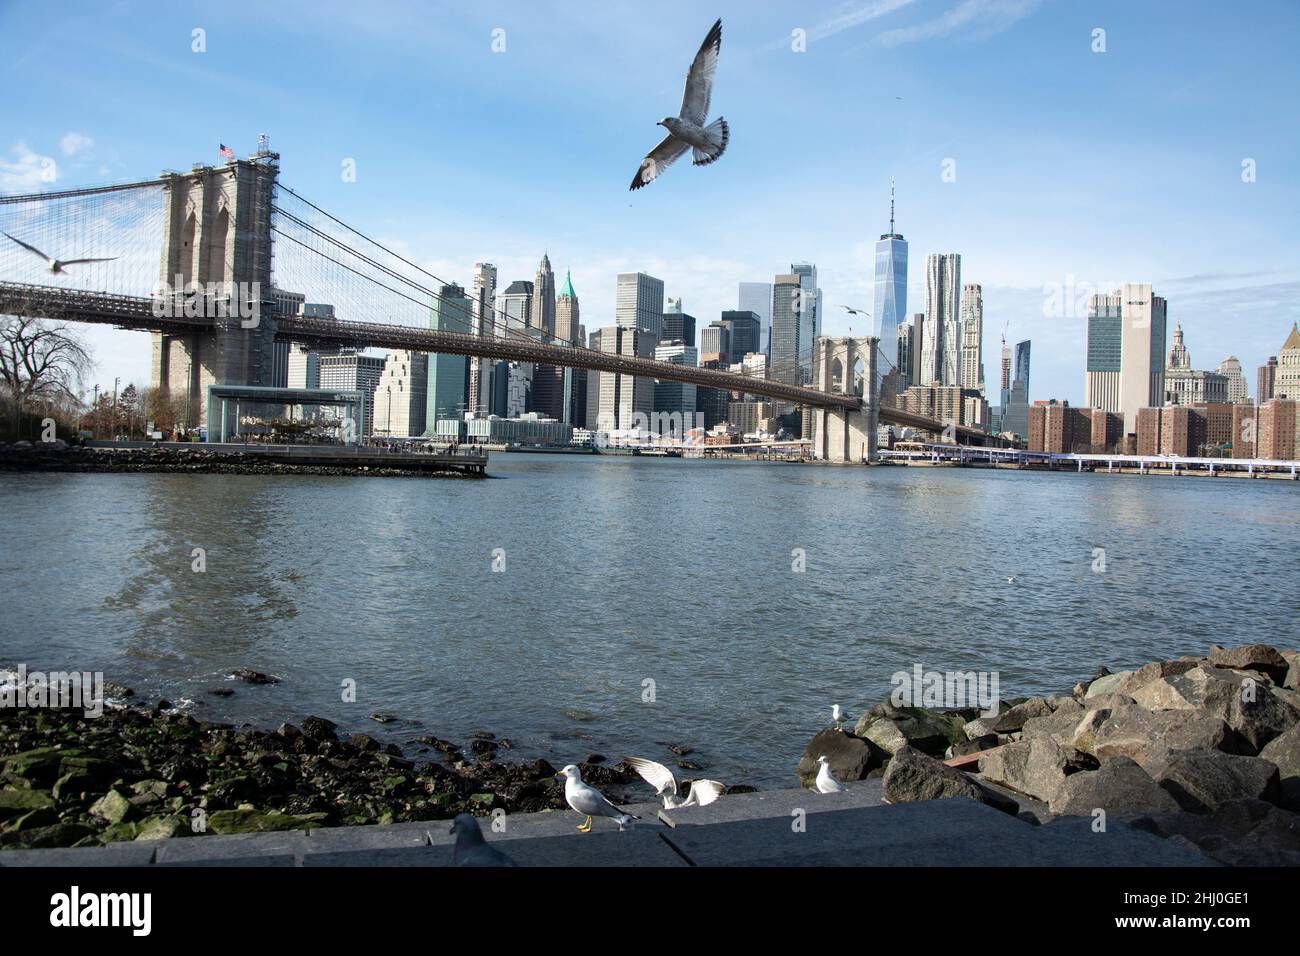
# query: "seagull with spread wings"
{"type": "Point", "coordinates": [701, 792]}
{"type": "Point", "coordinates": [687, 130]}
{"type": "Point", "coordinates": [56, 265]}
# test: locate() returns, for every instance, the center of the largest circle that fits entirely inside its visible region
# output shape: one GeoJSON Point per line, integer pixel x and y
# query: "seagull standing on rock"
{"type": "Point", "coordinates": [589, 801]}
{"type": "Point", "coordinates": [839, 716]}
{"type": "Point", "coordinates": [701, 792]}
{"type": "Point", "coordinates": [825, 782]}
{"type": "Point", "coordinates": [687, 130]}
{"type": "Point", "coordinates": [471, 849]}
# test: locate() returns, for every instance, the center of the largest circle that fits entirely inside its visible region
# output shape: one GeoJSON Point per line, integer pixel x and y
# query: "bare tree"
{"type": "Point", "coordinates": [39, 361]}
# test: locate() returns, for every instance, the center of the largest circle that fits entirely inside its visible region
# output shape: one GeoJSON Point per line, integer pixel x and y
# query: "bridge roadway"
{"type": "Point", "coordinates": [138, 313]}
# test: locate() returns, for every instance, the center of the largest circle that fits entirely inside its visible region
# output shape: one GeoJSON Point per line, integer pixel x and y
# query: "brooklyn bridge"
{"type": "Point", "coordinates": [195, 259]}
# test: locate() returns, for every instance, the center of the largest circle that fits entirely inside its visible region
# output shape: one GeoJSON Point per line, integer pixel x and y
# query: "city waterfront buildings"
{"type": "Point", "coordinates": [1185, 385]}
{"type": "Point", "coordinates": [1265, 379]}
{"type": "Point", "coordinates": [674, 402]}
{"type": "Point", "coordinates": [1015, 406]}
{"type": "Point", "coordinates": [639, 303]}
{"type": "Point", "coordinates": [617, 397]}
{"type": "Point", "coordinates": [567, 315]}
{"type": "Point", "coordinates": [743, 332]}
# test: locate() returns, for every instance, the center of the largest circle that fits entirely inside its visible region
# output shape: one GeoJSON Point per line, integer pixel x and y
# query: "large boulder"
{"type": "Point", "coordinates": [1143, 735]}
{"type": "Point", "coordinates": [1292, 680]}
{"type": "Point", "coordinates": [1202, 781]}
{"type": "Point", "coordinates": [912, 776]}
{"type": "Point", "coordinates": [1036, 767]}
{"type": "Point", "coordinates": [1106, 684]}
{"type": "Point", "coordinates": [1074, 729]}
{"type": "Point", "coordinates": [1239, 833]}
{"type": "Point", "coordinates": [1154, 671]}
{"type": "Point", "coordinates": [851, 758]}
{"type": "Point", "coordinates": [1119, 787]}
{"type": "Point", "coordinates": [1243, 700]}
{"type": "Point", "coordinates": [1254, 657]}
{"type": "Point", "coordinates": [1283, 751]}
{"type": "Point", "coordinates": [891, 728]}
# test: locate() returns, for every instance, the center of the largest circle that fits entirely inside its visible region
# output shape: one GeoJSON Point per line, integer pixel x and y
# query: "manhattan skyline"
{"type": "Point", "coordinates": [1059, 183]}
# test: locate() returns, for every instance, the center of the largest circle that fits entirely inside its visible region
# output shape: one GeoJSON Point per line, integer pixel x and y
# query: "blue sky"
{"type": "Point", "coordinates": [1074, 168]}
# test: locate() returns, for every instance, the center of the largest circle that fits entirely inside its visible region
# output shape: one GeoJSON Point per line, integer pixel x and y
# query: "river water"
{"type": "Point", "coordinates": [620, 571]}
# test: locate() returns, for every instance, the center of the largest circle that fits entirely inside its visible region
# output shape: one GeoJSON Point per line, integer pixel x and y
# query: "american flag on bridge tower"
{"type": "Point", "coordinates": [226, 151]}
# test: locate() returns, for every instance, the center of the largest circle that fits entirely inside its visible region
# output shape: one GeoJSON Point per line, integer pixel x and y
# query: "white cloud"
{"type": "Point", "coordinates": [851, 15]}
{"type": "Point", "coordinates": [975, 18]}
{"type": "Point", "coordinates": [26, 171]}
{"type": "Point", "coordinates": [74, 143]}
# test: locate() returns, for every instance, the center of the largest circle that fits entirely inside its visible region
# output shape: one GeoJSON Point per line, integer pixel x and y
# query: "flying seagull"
{"type": "Point", "coordinates": [471, 849]}
{"type": "Point", "coordinates": [825, 782]}
{"type": "Point", "coordinates": [856, 311]}
{"type": "Point", "coordinates": [56, 265]}
{"type": "Point", "coordinates": [587, 800]}
{"type": "Point", "coordinates": [839, 716]}
{"type": "Point", "coordinates": [701, 792]}
{"type": "Point", "coordinates": [687, 131]}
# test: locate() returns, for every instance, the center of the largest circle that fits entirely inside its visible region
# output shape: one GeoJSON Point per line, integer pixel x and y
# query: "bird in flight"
{"type": "Point", "coordinates": [687, 130]}
{"type": "Point", "coordinates": [56, 265]}
{"type": "Point", "coordinates": [701, 792]}
{"type": "Point", "coordinates": [855, 311]}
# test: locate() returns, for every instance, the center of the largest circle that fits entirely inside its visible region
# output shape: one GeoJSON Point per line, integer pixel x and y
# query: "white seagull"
{"type": "Point", "coordinates": [589, 801]}
{"type": "Point", "coordinates": [687, 131]}
{"type": "Point", "coordinates": [56, 265]}
{"type": "Point", "coordinates": [701, 792]}
{"type": "Point", "coordinates": [839, 716]}
{"type": "Point", "coordinates": [853, 311]}
{"type": "Point", "coordinates": [825, 782]}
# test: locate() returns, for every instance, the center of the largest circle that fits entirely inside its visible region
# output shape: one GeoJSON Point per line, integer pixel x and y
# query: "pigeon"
{"type": "Point", "coordinates": [825, 782]}
{"type": "Point", "coordinates": [587, 800]}
{"type": "Point", "coordinates": [471, 849]}
{"type": "Point", "coordinates": [701, 792]}
{"type": "Point", "coordinates": [687, 131]}
{"type": "Point", "coordinates": [56, 265]}
{"type": "Point", "coordinates": [839, 716]}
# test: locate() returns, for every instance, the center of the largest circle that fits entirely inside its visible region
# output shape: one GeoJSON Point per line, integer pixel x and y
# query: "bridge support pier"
{"type": "Point", "coordinates": [217, 244]}
{"type": "Point", "coordinates": [844, 434]}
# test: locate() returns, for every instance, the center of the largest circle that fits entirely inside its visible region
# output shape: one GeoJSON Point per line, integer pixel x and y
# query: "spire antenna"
{"type": "Point", "coordinates": [891, 204]}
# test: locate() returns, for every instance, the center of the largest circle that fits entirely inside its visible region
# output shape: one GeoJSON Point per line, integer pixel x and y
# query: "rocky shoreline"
{"type": "Point", "coordinates": [60, 457]}
{"type": "Point", "coordinates": [1204, 750]}
{"type": "Point", "coordinates": [145, 773]}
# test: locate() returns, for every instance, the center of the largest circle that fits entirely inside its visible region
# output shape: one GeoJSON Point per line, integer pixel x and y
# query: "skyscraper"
{"type": "Point", "coordinates": [480, 369]}
{"type": "Point", "coordinates": [715, 343]}
{"type": "Point", "coordinates": [620, 398]}
{"type": "Point", "coordinates": [1126, 352]}
{"type": "Point", "coordinates": [1238, 388]}
{"type": "Point", "coordinates": [1287, 383]}
{"type": "Point", "coordinates": [972, 337]}
{"type": "Point", "coordinates": [941, 335]}
{"type": "Point", "coordinates": [810, 305]}
{"type": "Point", "coordinates": [448, 375]}
{"type": "Point", "coordinates": [744, 328]}
{"type": "Point", "coordinates": [1015, 407]}
{"type": "Point", "coordinates": [401, 395]}
{"type": "Point", "coordinates": [515, 307]}
{"type": "Point", "coordinates": [903, 360]}
{"type": "Point", "coordinates": [678, 326]}
{"type": "Point", "coordinates": [889, 310]}
{"type": "Point", "coordinates": [351, 371]}
{"type": "Point", "coordinates": [639, 303]}
{"type": "Point", "coordinates": [1104, 350]}
{"type": "Point", "coordinates": [543, 311]}
{"type": "Point", "coordinates": [567, 327]}
{"type": "Point", "coordinates": [1266, 380]}
{"type": "Point", "coordinates": [756, 297]}
{"type": "Point", "coordinates": [675, 399]}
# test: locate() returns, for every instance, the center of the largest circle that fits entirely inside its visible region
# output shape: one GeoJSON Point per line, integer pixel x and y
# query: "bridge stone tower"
{"type": "Point", "coordinates": [217, 235]}
{"type": "Point", "coordinates": [843, 434]}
